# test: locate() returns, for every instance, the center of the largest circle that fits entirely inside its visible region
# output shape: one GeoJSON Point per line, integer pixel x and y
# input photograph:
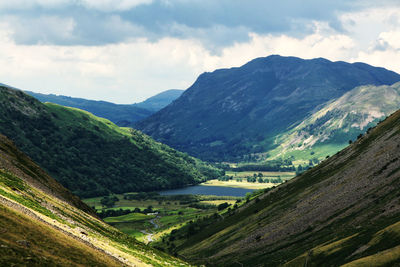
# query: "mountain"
{"type": "Point", "coordinates": [122, 115]}
{"type": "Point", "coordinates": [43, 224]}
{"type": "Point", "coordinates": [345, 211]}
{"type": "Point", "coordinates": [161, 100]}
{"type": "Point", "coordinates": [233, 112]}
{"type": "Point", "coordinates": [92, 156]}
{"type": "Point", "coordinates": [330, 128]}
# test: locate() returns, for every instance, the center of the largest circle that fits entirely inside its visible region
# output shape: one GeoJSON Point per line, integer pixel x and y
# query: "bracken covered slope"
{"type": "Point", "coordinates": [43, 224]}
{"type": "Point", "coordinates": [330, 128]}
{"type": "Point", "coordinates": [92, 156]}
{"type": "Point", "coordinates": [344, 211]}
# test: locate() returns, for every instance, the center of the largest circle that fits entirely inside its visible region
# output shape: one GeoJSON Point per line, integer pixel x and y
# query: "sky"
{"type": "Point", "coordinates": [125, 51]}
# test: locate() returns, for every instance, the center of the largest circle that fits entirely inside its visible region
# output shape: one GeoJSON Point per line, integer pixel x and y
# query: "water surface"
{"type": "Point", "coordinates": [208, 190]}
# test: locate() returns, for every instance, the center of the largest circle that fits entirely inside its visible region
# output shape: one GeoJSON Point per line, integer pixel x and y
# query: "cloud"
{"type": "Point", "coordinates": [214, 23]}
{"type": "Point", "coordinates": [44, 29]}
{"type": "Point", "coordinates": [113, 5]}
{"type": "Point", "coordinates": [137, 49]}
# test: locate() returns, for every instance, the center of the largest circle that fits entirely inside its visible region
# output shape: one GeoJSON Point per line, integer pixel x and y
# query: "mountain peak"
{"type": "Point", "coordinates": [233, 112]}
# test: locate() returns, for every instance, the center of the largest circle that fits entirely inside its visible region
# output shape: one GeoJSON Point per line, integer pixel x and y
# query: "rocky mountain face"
{"type": "Point", "coordinates": [345, 211]}
{"type": "Point", "coordinates": [332, 126]}
{"type": "Point", "coordinates": [232, 112]}
{"type": "Point", "coordinates": [43, 224]}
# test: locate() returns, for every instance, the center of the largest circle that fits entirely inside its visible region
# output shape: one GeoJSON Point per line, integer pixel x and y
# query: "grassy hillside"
{"type": "Point", "coordinates": [330, 128]}
{"type": "Point", "coordinates": [40, 223]}
{"type": "Point", "coordinates": [230, 113]}
{"type": "Point", "coordinates": [344, 211]}
{"type": "Point", "coordinates": [92, 156]}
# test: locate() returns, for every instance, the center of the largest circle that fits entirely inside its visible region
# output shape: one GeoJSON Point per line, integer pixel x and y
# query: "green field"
{"type": "Point", "coordinates": [171, 213]}
{"type": "Point", "coordinates": [244, 174]}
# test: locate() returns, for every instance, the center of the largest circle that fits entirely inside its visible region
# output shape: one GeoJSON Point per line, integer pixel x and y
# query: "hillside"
{"type": "Point", "coordinates": [233, 112]}
{"type": "Point", "coordinates": [41, 223]}
{"type": "Point", "coordinates": [330, 128]}
{"type": "Point", "coordinates": [344, 211]}
{"type": "Point", "coordinates": [92, 156]}
{"type": "Point", "coordinates": [121, 115]}
{"type": "Point", "coordinates": [161, 100]}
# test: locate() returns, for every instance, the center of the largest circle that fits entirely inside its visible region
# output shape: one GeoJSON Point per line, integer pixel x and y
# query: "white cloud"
{"type": "Point", "coordinates": [113, 5]}
{"type": "Point", "coordinates": [133, 70]}
{"type": "Point", "coordinates": [26, 4]}
{"type": "Point", "coordinates": [43, 29]}
{"type": "Point", "coordinates": [103, 5]}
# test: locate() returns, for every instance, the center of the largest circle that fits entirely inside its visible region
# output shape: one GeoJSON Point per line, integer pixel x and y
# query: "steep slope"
{"type": "Point", "coordinates": [161, 100]}
{"type": "Point", "coordinates": [122, 115]}
{"type": "Point", "coordinates": [232, 112]}
{"type": "Point", "coordinates": [92, 156]}
{"type": "Point", "coordinates": [40, 223]}
{"type": "Point", "coordinates": [330, 128]}
{"type": "Point", "coordinates": [344, 211]}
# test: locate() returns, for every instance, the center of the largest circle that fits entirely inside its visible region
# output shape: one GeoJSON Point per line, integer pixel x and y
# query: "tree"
{"type": "Point", "coordinates": [223, 206]}
{"type": "Point", "coordinates": [109, 201]}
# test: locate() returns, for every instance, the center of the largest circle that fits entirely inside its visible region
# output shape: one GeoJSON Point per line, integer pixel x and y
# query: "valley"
{"type": "Point", "coordinates": [158, 133]}
{"type": "Point", "coordinates": [325, 190]}
{"type": "Point", "coordinates": [150, 217]}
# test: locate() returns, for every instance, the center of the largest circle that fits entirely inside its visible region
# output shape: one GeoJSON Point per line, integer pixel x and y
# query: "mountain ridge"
{"type": "Point", "coordinates": [338, 122]}
{"type": "Point", "coordinates": [120, 114]}
{"type": "Point", "coordinates": [238, 111]}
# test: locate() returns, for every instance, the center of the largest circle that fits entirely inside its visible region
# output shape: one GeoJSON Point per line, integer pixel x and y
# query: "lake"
{"type": "Point", "coordinates": [208, 190]}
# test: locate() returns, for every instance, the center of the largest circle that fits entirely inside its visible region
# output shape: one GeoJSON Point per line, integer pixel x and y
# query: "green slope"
{"type": "Point", "coordinates": [91, 156]}
{"type": "Point", "coordinates": [40, 223]}
{"type": "Point", "coordinates": [344, 211]}
{"type": "Point", "coordinates": [330, 128]}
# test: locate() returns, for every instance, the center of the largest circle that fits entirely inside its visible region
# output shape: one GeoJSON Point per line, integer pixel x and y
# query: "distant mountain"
{"type": "Point", "coordinates": [331, 127]}
{"type": "Point", "coordinates": [122, 115]}
{"type": "Point", "coordinates": [343, 212]}
{"type": "Point", "coordinates": [92, 156]}
{"type": "Point", "coordinates": [161, 100]}
{"type": "Point", "coordinates": [43, 224]}
{"type": "Point", "coordinates": [234, 112]}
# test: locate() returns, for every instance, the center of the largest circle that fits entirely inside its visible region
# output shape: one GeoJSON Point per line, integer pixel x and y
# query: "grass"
{"type": "Point", "coordinates": [131, 217]}
{"type": "Point", "coordinates": [389, 257]}
{"type": "Point", "coordinates": [217, 202]}
{"type": "Point", "coordinates": [236, 184]}
{"type": "Point", "coordinates": [244, 174]}
{"type": "Point", "coordinates": [172, 214]}
{"type": "Point", "coordinates": [47, 247]}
